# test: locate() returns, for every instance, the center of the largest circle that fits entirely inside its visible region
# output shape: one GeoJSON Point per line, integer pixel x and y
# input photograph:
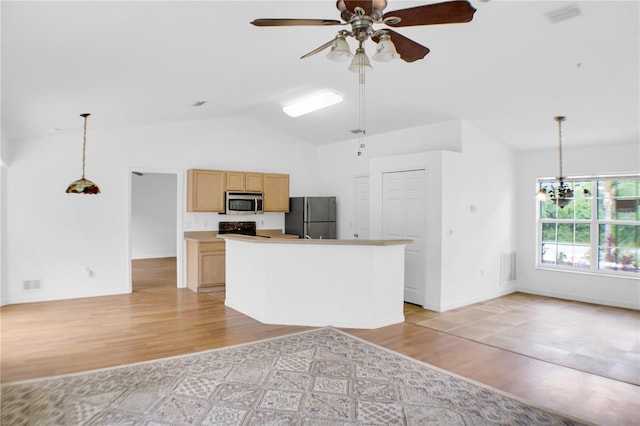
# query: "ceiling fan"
{"type": "Point", "coordinates": [363, 14]}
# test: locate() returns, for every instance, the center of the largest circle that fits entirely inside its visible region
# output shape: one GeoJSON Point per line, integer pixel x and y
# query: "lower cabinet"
{"type": "Point", "coordinates": [205, 265]}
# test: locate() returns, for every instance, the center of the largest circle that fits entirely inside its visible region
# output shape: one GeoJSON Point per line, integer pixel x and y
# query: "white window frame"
{"type": "Point", "coordinates": [594, 223]}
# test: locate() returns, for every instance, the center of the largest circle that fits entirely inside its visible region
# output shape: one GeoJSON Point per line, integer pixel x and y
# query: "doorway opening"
{"type": "Point", "coordinates": [155, 231]}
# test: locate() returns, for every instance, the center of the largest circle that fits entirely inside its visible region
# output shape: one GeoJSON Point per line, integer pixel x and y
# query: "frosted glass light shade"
{"type": "Point", "coordinates": [340, 50]}
{"type": "Point", "coordinates": [360, 60]}
{"type": "Point", "coordinates": [312, 103]}
{"type": "Point", "coordinates": [542, 195]}
{"type": "Point", "coordinates": [386, 50]}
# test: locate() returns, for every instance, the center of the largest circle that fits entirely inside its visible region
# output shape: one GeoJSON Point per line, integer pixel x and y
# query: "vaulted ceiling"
{"type": "Point", "coordinates": [508, 72]}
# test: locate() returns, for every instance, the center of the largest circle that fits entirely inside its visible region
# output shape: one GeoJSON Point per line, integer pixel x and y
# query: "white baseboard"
{"type": "Point", "coordinates": [152, 256]}
{"type": "Point", "coordinates": [627, 305]}
{"type": "Point", "coordinates": [507, 289]}
{"type": "Point", "coordinates": [465, 302]}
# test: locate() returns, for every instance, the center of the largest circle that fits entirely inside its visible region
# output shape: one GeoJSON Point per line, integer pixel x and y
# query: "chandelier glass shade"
{"type": "Point", "coordinates": [386, 50]}
{"type": "Point", "coordinates": [83, 185]}
{"type": "Point", "coordinates": [360, 62]}
{"type": "Point", "coordinates": [340, 50]}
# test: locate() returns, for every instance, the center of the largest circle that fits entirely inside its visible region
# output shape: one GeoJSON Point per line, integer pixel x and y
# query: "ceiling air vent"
{"type": "Point", "coordinates": [563, 13]}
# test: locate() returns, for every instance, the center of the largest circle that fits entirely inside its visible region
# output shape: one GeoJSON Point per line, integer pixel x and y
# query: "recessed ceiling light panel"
{"type": "Point", "coordinates": [312, 103]}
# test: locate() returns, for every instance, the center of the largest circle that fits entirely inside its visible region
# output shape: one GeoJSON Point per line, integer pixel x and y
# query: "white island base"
{"type": "Point", "coordinates": [340, 283]}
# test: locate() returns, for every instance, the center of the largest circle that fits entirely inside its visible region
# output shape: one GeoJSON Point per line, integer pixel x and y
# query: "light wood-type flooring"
{"type": "Point", "coordinates": [158, 320]}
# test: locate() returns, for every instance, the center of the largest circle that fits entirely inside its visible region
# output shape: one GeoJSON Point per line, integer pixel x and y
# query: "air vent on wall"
{"type": "Point", "coordinates": [31, 285]}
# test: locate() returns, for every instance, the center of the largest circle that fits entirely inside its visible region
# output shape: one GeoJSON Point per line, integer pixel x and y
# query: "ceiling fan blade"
{"type": "Point", "coordinates": [450, 12]}
{"type": "Point", "coordinates": [293, 22]}
{"type": "Point", "coordinates": [318, 49]}
{"type": "Point", "coordinates": [408, 49]}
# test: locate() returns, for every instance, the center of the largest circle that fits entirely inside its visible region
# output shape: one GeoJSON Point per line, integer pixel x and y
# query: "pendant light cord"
{"type": "Point", "coordinates": [560, 119]}
{"type": "Point", "coordinates": [84, 142]}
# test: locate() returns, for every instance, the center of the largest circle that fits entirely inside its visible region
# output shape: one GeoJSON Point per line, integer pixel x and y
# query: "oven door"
{"type": "Point", "coordinates": [243, 203]}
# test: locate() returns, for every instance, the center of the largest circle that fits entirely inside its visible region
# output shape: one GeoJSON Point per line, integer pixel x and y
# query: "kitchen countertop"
{"type": "Point", "coordinates": [339, 283]}
{"type": "Point", "coordinates": [212, 236]}
{"type": "Point", "coordinates": [261, 240]}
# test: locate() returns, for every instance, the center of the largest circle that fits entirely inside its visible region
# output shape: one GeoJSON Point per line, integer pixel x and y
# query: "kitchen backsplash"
{"type": "Point", "coordinates": [209, 221]}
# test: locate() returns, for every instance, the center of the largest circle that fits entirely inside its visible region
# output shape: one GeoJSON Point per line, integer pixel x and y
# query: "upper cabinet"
{"type": "Point", "coordinates": [242, 181]}
{"type": "Point", "coordinates": [253, 182]}
{"type": "Point", "coordinates": [205, 190]}
{"type": "Point", "coordinates": [276, 192]}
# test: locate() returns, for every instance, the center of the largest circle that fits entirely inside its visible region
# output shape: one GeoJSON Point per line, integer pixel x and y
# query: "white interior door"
{"type": "Point", "coordinates": [404, 216]}
{"type": "Point", "coordinates": [361, 225]}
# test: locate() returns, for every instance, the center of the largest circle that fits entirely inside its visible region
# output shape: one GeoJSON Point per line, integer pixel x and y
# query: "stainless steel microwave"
{"type": "Point", "coordinates": [243, 203]}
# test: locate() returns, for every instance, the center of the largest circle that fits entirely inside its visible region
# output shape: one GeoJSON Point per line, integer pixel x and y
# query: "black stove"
{"type": "Point", "coordinates": [243, 228]}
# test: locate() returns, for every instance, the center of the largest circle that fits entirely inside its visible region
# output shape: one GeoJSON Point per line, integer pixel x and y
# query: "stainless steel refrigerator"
{"type": "Point", "coordinates": [311, 217]}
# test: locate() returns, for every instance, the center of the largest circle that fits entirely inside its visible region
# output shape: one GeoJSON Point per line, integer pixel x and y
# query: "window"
{"type": "Point", "coordinates": [597, 231]}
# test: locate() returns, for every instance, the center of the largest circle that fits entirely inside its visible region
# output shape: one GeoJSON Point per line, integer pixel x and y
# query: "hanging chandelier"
{"type": "Point", "coordinates": [82, 185]}
{"type": "Point", "coordinates": [561, 194]}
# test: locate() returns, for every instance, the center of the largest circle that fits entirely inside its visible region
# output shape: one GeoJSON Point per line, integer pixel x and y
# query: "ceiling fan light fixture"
{"type": "Point", "coordinates": [312, 103]}
{"type": "Point", "coordinates": [386, 50]}
{"type": "Point", "coordinates": [340, 50]}
{"type": "Point", "coordinates": [360, 61]}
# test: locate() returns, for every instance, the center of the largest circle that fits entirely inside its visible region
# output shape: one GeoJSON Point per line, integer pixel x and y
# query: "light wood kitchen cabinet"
{"type": "Point", "coordinates": [235, 181]}
{"type": "Point", "coordinates": [205, 265]}
{"type": "Point", "coordinates": [253, 182]}
{"type": "Point", "coordinates": [205, 190]}
{"type": "Point", "coordinates": [276, 192]}
{"type": "Point", "coordinates": [242, 181]}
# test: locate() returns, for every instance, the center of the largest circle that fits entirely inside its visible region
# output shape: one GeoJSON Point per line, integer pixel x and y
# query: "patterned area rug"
{"type": "Point", "coordinates": [317, 377]}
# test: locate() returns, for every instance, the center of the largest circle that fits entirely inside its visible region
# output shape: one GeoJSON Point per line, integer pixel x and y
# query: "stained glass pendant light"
{"type": "Point", "coordinates": [82, 185]}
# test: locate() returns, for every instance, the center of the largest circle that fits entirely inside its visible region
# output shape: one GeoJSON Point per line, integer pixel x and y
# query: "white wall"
{"type": "Point", "coordinates": [340, 163]}
{"type": "Point", "coordinates": [478, 219]}
{"type": "Point", "coordinates": [4, 160]}
{"type": "Point", "coordinates": [53, 236]}
{"type": "Point", "coordinates": [455, 182]}
{"type": "Point", "coordinates": [602, 159]}
{"type": "Point", "coordinates": [153, 215]}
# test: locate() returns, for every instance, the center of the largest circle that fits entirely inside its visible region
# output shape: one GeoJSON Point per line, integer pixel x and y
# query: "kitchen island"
{"type": "Point", "coordinates": [341, 283]}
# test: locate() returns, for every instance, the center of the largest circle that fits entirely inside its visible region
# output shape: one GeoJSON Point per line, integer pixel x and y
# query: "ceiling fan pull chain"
{"type": "Point", "coordinates": [361, 109]}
